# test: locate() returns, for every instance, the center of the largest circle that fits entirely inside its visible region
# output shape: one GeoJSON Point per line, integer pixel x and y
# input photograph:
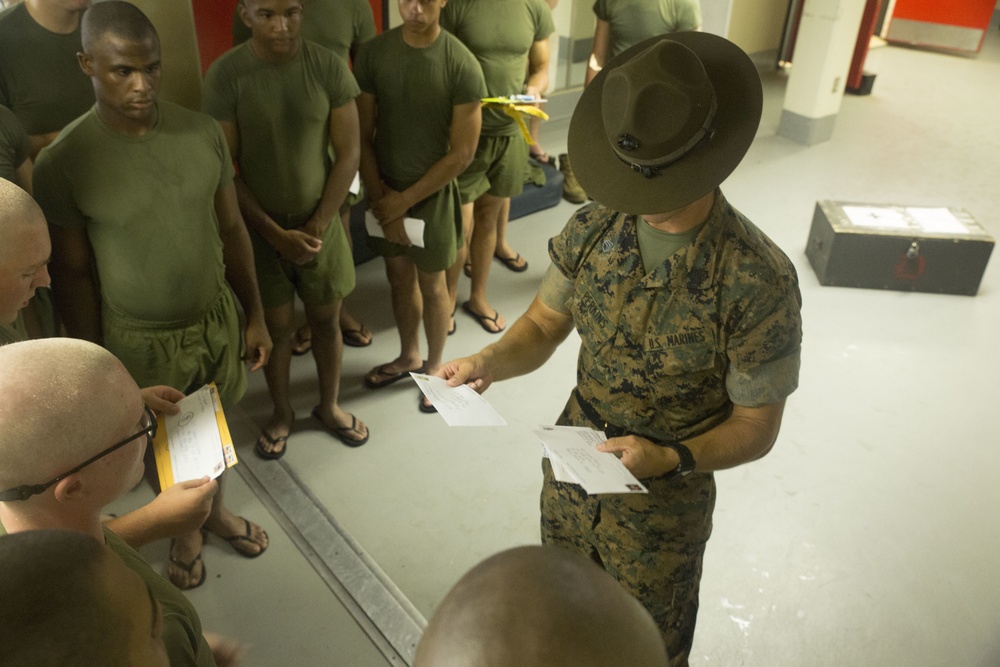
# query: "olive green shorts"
{"type": "Point", "coordinates": [499, 168]}
{"type": "Point", "coordinates": [184, 355]}
{"type": "Point", "coordinates": [442, 215]}
{"type": "Point", "coordinates": [325, 279]}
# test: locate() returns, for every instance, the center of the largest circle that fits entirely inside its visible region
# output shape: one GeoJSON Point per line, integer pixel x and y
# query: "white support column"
{"type": "Point", "coordinates": [823, 50]}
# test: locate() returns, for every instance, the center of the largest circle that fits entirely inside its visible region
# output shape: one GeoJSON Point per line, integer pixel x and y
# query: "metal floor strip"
{"type": "Point", "coordinates": [388, 618]}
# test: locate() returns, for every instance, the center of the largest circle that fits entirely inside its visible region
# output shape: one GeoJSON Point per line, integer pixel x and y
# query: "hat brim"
{"type": "Point", "coordinates": [613, 183]}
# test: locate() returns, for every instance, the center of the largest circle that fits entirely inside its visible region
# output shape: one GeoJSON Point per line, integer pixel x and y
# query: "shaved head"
{"type": "Point", "coordinates": [24, 250]}
{"type": "Point", "coordinates": [64, 400]}
{"type": "Point", "coordinates": [122, 19]}
{"type": "Point", "coordinates": [540, 607]}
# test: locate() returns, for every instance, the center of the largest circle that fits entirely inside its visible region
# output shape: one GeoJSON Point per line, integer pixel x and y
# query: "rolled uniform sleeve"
{"type": "Point", "coordinates": [764, 349]}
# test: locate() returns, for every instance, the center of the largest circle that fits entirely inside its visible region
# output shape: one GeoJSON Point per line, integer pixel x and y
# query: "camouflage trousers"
{"type": "Point", "coordinates": [652, 543]}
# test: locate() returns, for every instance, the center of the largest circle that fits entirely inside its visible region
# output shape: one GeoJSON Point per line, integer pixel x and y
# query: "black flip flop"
{"type": "Point", "coordinates": [483, 319]}
{"type": "Point", "coordinates": [426, 409]}
{"type": "Point", "coordinates": [356, 337]}
{"type": "Point", "coordinates": [391, 377]}
{"type": "Point", "coordinates": [511, 262]}
{"type": "Point", "coordinates": [187, 567]}
{"type": "Point", "coordinates": [341, 432]}
{"type": "Point", "coordinates": [273, 441]}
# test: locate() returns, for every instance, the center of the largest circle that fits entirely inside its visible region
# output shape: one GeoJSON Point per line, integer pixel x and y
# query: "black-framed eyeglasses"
{"type": "Point", "coordinates": [25, 491]}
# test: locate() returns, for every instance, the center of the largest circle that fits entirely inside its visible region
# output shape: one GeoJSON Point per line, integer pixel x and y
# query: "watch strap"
{"type": "Point", "coordinates": [685, 465]}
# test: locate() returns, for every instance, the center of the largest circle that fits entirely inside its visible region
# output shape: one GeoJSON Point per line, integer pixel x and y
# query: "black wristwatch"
{"type": "Point", "coordinates": [686, 464]}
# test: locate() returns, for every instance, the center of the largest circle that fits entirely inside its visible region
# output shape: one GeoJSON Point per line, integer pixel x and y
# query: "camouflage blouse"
{"type": "Point", "coordinates": [666, 354]}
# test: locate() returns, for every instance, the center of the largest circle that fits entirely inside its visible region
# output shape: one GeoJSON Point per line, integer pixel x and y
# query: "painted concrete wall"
{"type": "Point", "coordinates": [755, 25]}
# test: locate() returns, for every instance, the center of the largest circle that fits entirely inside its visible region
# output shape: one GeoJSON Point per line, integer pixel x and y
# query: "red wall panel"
{"type": "Point", "coordinates": [964, 13]}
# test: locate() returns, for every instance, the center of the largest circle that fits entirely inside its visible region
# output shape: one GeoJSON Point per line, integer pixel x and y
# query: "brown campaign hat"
{"type": "Point", "coordinates": [665, 122]}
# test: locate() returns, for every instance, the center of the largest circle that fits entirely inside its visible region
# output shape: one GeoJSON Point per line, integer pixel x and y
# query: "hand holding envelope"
{"type": "Point", "coordinates": [414, 229]}
{"type": "Point", "coordinates": [195, 442]}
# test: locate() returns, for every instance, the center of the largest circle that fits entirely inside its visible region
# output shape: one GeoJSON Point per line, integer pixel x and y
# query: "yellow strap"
{"type": "Point", "coordinates": [517, 112]}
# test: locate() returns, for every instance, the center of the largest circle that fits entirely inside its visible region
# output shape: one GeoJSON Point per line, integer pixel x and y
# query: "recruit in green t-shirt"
{"type": "Point", "coordinates": [416, 90]}
{"type": "Point", "coordinates": [335, 24]}
{"type": "Point", "coordinates": [632, 21]}
{"type": "Point", "coordinates": [282, 112]}
{"type": "Point", "coordinates": [14, 145]}
{"type": "Point", "coordinates": [148, 206]}
{"type": "Point", "coordinates": [500, 34]}
{"type": "Point", "coordinates": [40, 79]}
{"type": "Point", "coordinates": [182, 632]}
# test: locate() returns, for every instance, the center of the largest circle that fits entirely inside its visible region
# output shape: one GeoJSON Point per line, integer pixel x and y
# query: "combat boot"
{"type": "Point", "coordinates": [572, 192]}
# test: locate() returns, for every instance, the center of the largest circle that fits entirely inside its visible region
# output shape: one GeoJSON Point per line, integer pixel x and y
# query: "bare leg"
{"type": "Point", "coordinates": [484, 238]}
{"type": "Point", "coordinates": [434, 291]}
{"type": "Point", "coordinates": [222, 522]}
{"type": "Point", "coordinates": [328, 351]}
{"type": "Point", "coordinates": [461, 257]}
{"type": "Point", "coordinates": [279, 325]}
{"type": "Point", "coordinates": [504, 251]}
{"type": "Point", "coordinates": [347, 321]}
{"type": "Point", "coordinates": [407, 307]}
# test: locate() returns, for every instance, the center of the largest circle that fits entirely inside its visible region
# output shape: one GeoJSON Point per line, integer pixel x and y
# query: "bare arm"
{"type": "Point", "coordinates": [238, 256]}
{"type": "Point", "coordinates": [524, 347]}
{"type": "Point", "coordinates": [466, 121]}
{"type": "Point", "coordinates": [22, 176]}
{"type": "Point", "coordinates": [346, 144]}
{"type": "Point", "coordinates": [599, 54]}
{"type": "Point", "coordinates": [538, 68]}
{"type": "Point", "coordinates": [747, 435]}
{"type": "Point", "coordinates": [40, 141]}
{"type": "Point", "coordinates": [294, 245]}
{"type": "Point", "coordinates": [178, 510]}
{"type": "Point", "coordinates": [370, 176]}
{"type": "Point", "coordinates": [73, 284]}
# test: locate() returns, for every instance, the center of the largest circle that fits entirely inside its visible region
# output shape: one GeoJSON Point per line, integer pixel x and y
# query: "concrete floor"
{"type": "Point", "coordinates": [869, 536]}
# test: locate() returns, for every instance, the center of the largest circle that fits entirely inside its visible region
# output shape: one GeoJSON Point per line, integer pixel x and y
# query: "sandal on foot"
{"type": "Point", "coordinates": [388, 377]}
{"type": "Point", "coordinates": [544, 158]}
{"type": "Point", "coordinates": [361, 337]}
{"type": "Point", "coordinates": [247, 538]}
{"type": "Point", "coordinates": [426, 408]}
{"type": "Point", "coordinates": [187, 567]}
{"type": "Point", "coordinates": [273, 454]}
{"type": "Point", "coordinates": [301, 345]}
{"type": "Point", "coordinates": [342, 433]}
{"type": "Point", "coordinates": [484, 319]}
{"type": "Point", "coordinates": [517, 264]}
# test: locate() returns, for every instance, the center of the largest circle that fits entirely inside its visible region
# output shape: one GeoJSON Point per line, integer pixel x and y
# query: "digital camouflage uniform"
{"type": "Point", "coordinates": [664, 356]}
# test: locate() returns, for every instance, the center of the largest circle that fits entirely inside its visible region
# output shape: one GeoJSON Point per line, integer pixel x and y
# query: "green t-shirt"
{"type": "Point", "coordinates": [336, 24]}
{"type": "Point", "coordinates": [283, 115]}
{"type": "Point", "coordinates": [13, 332]}
{"type": "Point", "coordinates": [632, 21]}
{"type": "Point", "coordinates": [656, 245]}
{"type": "Point", "coordinates": [182, 632]}
{"type": "Point", "coordinates": [40, 79]}
{"type": "Point", "coordinates": [14, 145]}
{"type": "Point", "coordinates": [500, 34]}
{"type": "Point", "coordinates": [148, 206]}
{"type": "Point", "coordinates": [416, 90]}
